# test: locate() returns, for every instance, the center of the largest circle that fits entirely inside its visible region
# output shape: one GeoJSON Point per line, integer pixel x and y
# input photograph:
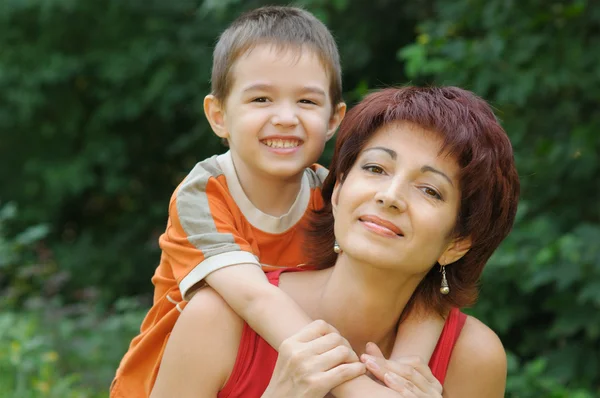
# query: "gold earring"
{"type": "Point", "coordinates": [336, 248]}
{"type": "Point", "coordinates": [444, 289]}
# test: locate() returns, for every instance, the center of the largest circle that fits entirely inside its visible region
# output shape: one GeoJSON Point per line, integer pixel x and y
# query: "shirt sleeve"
{"type": "Point", "coordinates": [203, 232]}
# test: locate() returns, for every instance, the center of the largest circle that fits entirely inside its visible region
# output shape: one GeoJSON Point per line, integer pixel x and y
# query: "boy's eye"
{"type": "Point", "coordinates": [306, 101]}
{"type": "Point", "coordinates": [260, 99]}
{"type": "Point", "coordinates": [432, 192]}
{"type": "Point", "coordinates": [373, 169]}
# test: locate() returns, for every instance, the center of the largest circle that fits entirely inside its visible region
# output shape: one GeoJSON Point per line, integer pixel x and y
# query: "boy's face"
{"type": "Point", "coordinates": [278, 114]}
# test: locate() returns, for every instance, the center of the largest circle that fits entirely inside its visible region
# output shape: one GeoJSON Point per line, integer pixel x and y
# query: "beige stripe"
{"type": "Point", "coordinates": [212, 264]}
{"type": "Point", "coordinates": [321, 174]}
{"type": "Point", "coordinates": [193, 211]}
{"type": "Point", "coordinates": [265, 222]}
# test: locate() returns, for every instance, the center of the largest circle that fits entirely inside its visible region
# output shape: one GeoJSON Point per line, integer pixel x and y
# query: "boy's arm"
{"type": "Point", "coordinates": [267, 309]}
{"type": "Point", "coordinates": [418, 335]}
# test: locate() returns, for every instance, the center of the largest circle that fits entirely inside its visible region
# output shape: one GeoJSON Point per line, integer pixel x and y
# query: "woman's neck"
{"type": "Point", "coordinates": [362, 302]}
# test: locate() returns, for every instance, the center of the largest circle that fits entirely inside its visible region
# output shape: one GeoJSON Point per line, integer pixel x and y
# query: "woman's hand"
{"type": "Point", "coordinates": [312, 362]}
{"type": "Point", "coordinates": [409, 376]}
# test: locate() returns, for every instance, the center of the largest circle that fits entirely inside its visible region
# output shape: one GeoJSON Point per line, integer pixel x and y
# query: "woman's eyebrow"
{"type": "Point", "coordinates": [426, 169]}
{"type": "Point", "coordinates": [389, 151]}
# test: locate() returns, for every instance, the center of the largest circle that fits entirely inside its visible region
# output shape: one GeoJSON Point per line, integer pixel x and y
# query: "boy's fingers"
{"type": "Point", "coordinates": [314, 330]}
{"type": "Point", "coordinates": [328, 342]}
{"type": "Point", "coordinates": [332, 358]}
{"type": "Point", "coordinates": [342, 373]}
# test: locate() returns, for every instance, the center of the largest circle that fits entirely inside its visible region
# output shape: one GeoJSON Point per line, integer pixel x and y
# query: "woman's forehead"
{"type": "Point", "coordinates": [402, 135]}
{"type": "Point", "coordinates": [408, 141]}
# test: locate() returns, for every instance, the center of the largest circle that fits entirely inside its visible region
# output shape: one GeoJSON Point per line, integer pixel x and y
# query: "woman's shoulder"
{"type": "Point", "coordinates": [208, 315]}
{"type": "Point", "coordinates": [206, 328]}
{"type": "Point", "coordinates": [478, 364]}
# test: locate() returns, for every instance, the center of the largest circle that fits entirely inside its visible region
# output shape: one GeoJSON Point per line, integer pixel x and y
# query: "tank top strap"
{"type": "Point", "coordinates": [441, 356]}
{"type": "Point", "coordinates": [255, 359]}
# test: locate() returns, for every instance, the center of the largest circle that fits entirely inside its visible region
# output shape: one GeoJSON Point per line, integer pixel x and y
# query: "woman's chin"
{"type": "Point", "coordinates": [379, 257]}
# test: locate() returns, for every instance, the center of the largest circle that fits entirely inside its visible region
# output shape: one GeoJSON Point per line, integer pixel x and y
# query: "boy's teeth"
{"type": "Point", "coordinates": [282, 143]}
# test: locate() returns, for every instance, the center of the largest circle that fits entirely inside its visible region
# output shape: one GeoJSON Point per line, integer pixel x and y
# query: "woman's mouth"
{"type": "Point", "coordinates": [381, 226]}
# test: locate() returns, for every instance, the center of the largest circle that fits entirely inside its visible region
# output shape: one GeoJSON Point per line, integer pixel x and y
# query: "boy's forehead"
{"type": "Point", "coordinates": [265, 58]}
{"type": "Point", "coordinates": [288, 51]}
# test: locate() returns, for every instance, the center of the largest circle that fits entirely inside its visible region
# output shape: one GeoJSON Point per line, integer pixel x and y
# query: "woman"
{"type": "Point", "coordinates": [421, 191]}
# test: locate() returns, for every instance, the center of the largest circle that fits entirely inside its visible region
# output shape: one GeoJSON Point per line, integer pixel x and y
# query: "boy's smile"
{"type": "Point", "coordinates": [282, 144]}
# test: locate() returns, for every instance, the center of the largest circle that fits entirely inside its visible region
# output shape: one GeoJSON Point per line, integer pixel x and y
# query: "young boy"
{"type": "Point", "coordinates": [276, 99]}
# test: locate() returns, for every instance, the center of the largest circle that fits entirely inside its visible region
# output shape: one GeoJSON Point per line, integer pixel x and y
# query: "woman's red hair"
{"type": "Point", "coordinates": [488, 179]}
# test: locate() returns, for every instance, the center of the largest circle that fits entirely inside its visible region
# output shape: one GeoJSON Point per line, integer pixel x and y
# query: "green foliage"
{"type": "Point", "coordinates": [48, 349]}
{"type": "Point", "coordinates": [532, 381]}
{"type": "Point", "coordinates": [63, 351]}
{"type": "Point", "coordinates": [17, 280]}
{"type": "Point", "coordinates": [28, 361]}
{"type": "Point", "coordinates": [101, 117]}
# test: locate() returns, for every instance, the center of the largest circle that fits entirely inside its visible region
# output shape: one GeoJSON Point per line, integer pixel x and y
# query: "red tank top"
{"type": "Point", "coordinates": [256, 358]}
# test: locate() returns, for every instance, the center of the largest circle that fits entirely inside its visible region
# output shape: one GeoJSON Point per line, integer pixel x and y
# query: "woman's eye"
{"type": "Point", "coordinates": [432, 192]}
{"type": "Point", "coordinates": [373, 169]}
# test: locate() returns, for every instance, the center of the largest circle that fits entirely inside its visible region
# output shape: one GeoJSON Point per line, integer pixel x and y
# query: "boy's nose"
{"type": "Point", "coordinates": [285, 115]}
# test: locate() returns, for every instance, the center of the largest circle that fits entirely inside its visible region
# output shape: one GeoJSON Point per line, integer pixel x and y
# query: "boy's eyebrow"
{"type": "Point", "coordinates": [314, 90]}
{"type": "Point", "coordinates": [268, 87]}
{"type": "Point", "coordinates": [258, 87]}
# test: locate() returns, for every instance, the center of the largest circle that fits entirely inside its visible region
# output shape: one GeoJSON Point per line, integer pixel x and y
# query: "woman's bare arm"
{"type": "Point", "coordinates": [478, 364]}
{"type": "Point", "coordinates": [201, 350]}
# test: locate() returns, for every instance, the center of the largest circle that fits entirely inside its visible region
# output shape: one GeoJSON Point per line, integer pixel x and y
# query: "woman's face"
{"type": "Point", "coordinates": [398, 205]}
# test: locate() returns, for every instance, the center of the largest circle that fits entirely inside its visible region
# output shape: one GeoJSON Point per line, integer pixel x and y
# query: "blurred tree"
{"type": "Point", "coordinates": [101, 115]}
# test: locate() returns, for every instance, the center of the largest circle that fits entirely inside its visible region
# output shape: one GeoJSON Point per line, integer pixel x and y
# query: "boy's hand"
{"type": "Point", "coordinates": [312, 362]}
{"type": "Point", "coordinates": [409, 376]}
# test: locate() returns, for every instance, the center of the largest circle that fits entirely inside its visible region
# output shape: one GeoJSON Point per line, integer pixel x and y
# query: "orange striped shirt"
{"type": "Point", "coordinates": [212, 224]}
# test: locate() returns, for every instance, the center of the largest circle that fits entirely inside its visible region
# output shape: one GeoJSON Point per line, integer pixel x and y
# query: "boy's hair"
{"type": "Point", "coordinates": [282, 27]}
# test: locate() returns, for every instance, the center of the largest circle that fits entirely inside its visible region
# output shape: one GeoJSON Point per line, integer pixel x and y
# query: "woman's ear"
{"type": "Point", "coordinates": [334, 196]}
{"type": "Point", "coordinates": [336, 118]}
{"type": "Point", "coordinates": [215, 113]}
{"type": "Point", "coordinates": [455, 250]}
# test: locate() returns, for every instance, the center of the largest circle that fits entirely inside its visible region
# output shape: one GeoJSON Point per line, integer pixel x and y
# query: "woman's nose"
{"type": "Point", "coordinates": [392, 197]}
